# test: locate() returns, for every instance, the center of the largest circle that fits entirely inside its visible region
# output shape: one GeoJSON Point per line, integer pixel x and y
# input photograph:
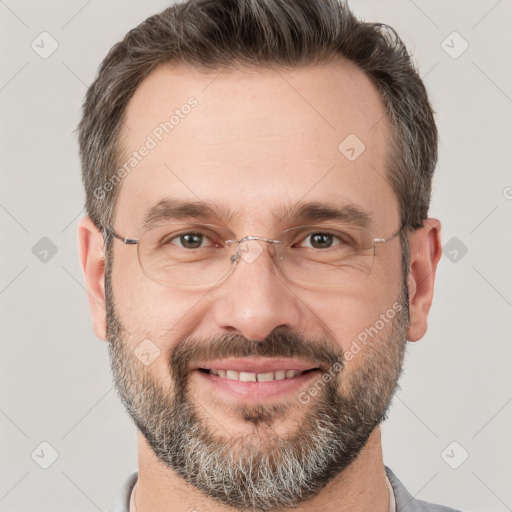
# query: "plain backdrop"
{"type": "Point", "coordinates": [448, 433]}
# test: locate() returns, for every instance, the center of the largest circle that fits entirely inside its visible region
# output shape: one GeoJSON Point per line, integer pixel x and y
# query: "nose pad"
{"type": "Point", "coordinates": [249, 251]}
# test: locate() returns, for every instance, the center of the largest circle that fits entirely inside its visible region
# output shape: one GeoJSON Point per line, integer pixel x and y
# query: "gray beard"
{"type": "Point", "coordinates": [261, 471]}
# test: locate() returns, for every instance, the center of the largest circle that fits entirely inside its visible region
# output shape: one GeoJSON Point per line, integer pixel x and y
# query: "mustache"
{"type": "Point", "coordinates": [279, 343]}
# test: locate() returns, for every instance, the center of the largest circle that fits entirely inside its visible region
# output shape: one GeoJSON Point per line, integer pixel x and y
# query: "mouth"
{"type": "Point", "coordinates": [256, 379]}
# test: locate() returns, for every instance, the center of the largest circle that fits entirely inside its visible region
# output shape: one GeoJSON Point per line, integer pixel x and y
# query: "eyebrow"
{"type": "Point", "coordinates": [303, 212]}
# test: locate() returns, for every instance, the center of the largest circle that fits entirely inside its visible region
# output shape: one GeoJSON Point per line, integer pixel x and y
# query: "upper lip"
{"type": "Point", "coordinates": [257, 365]}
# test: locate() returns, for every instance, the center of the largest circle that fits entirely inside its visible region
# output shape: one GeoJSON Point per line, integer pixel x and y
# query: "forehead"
{"type": "Point", "coordinates": [253, 141]}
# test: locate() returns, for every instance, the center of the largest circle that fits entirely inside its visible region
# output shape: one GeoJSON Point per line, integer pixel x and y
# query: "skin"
{"type": "Point", "coordinates": [252, 144]}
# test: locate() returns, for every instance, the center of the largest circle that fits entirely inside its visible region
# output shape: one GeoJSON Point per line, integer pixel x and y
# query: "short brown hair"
{"type": "Point", "coordinates": [214, 34]}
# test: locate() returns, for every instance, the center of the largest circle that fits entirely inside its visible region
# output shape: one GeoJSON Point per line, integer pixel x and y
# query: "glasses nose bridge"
{"type": "Point", "coordinates": [262, 238]}
{"type": "Point", "coordinates": [235, 258]}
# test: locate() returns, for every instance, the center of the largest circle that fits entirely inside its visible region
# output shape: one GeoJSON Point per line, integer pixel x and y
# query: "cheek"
{"type": "Point", "coordinates": [345, 314]}
{"type": "Point", "coordinates": [351, 312]}
{"type": "Point", "coordinates": [128, 289]}
{"type": "Point", "coordinates": [151, 311]}
{"type": "Point", "coordinates": [387, 275]}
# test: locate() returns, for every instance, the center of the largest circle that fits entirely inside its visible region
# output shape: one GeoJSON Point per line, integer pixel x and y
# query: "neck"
{"type": "Point", "coordinates": [361, 487]}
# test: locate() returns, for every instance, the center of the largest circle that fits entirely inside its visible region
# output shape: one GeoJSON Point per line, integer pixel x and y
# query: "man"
{"type": "Point", "coordinates": [258, 252]}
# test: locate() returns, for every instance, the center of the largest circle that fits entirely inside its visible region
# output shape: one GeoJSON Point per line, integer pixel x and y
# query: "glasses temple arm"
{"type": "Point", "coordinates": [128, 241]}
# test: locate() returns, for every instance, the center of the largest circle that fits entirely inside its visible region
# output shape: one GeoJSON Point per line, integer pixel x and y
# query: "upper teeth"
{"type": "Point", "coordinates": [256, 377]}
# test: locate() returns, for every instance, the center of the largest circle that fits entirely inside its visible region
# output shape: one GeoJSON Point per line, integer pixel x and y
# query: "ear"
{"type": "Point", "coordinates": [426, 251]}
{"type": "Point", "coordinates": [92, 260]}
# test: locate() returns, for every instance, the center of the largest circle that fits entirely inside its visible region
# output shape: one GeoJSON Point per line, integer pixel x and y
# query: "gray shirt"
{"type": "Point", "coordinates": [401, 500]}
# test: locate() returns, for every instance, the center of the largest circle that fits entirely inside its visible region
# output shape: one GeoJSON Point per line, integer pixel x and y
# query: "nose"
{"type": "Point", "coordinates": [255, 298]}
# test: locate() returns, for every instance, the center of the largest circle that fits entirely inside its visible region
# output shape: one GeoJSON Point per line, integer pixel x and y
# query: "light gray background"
{"type": "Point", "coordinates": [55, 382]}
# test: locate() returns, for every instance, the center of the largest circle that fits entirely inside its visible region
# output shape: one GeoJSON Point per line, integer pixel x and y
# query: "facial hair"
{"type": "Point", "coordinates": [260, 471]}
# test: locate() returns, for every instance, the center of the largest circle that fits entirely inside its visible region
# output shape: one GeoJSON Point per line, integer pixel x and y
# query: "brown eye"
{"type": "Point", "coordinates": [191, 240]}
{"type": "Point", "coordinates": [321, 240]}
{"type": "Point", "coordinates": [325, 240]}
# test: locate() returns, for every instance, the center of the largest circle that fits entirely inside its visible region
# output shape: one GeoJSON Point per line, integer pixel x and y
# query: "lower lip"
{"type": "Point", "coordinates": [257, 391]}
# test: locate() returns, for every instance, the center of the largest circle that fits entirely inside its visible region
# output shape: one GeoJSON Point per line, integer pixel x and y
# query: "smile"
{"type": "Point", "coordinates": [254, 377]}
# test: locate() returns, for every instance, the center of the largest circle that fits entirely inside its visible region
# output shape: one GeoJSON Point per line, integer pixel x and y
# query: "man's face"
{"type": "Point", "coordinates": [256, 143]}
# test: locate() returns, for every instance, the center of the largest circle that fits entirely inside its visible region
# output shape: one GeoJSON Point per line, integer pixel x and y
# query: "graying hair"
{"type": "Point", "coordinates": [215, 34]}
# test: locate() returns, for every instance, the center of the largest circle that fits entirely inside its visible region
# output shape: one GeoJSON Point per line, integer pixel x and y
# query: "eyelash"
{"type": "Point", "coordinates": [178, 236]}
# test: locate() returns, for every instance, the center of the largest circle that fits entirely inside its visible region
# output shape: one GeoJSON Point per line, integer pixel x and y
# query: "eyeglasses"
{"type": "Point", "coordinates": [195, 256]}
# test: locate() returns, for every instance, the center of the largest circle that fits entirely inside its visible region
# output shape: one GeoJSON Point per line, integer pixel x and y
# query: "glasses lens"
{"type": "Point", "coordinates": [202, 255]}
{"type": "Point", "coordinates": [326, 256]}
{"type": "Point", "coordinates": [186, 255]}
